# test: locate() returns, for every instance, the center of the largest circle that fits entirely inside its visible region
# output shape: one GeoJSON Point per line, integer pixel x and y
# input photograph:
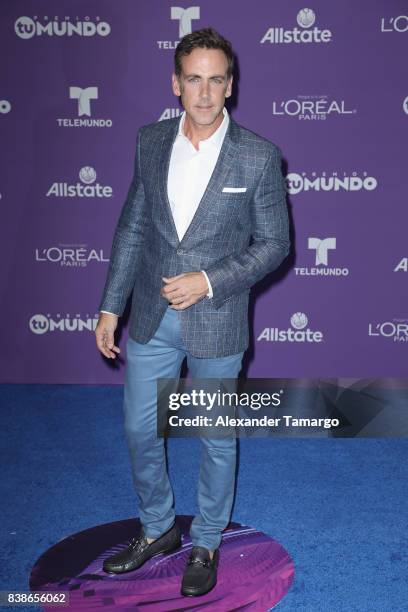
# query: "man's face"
{"type": "Point", "coordinates": [203, 85]}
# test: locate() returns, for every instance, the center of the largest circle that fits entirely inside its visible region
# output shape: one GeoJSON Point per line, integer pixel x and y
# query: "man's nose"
{"type": "Point", "coordinates": [205, 89]}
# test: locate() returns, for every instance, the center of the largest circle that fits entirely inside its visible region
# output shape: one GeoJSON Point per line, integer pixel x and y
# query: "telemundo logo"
{"type": "Point", "coordinates": [185, 17]}
{"type": "Point", "coordinates": [84, 95]}
{"type": "Point", "coordinates": [321, 247]}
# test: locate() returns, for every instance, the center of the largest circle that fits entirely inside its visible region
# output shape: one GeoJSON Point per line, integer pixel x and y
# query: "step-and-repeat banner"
{"type": "Point", "coordinates": [326, 82]}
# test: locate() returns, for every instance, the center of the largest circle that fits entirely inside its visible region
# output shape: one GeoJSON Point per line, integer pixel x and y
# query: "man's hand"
{"type": "Point", "coordinates": [104, 333]}
{"type": "Point", "coordinates": [184, 290]}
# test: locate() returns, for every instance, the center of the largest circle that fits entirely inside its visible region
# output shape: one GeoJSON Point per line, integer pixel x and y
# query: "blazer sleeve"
{"type": "Point", "coordinates": [127, 240]}
{"type": "Point", "coordinates": [270, 237]}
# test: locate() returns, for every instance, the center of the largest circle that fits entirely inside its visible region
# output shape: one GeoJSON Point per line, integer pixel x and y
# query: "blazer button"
{"type": "Point", "coordinates": [180, 252]}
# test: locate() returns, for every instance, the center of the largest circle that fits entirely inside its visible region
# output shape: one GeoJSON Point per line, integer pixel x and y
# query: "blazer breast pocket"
{"type": "Point", "coordinates": [234, 190]}
{"type": "Point", "coordinates": [233, 196]}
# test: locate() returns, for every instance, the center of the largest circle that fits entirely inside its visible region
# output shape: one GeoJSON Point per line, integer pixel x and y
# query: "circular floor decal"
{"type": "Point", "coordinates": [254, 572]}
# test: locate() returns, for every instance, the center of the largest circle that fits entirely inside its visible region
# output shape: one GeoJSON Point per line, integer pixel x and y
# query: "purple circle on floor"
{"type": "Point", "coordinates": [254, 572]}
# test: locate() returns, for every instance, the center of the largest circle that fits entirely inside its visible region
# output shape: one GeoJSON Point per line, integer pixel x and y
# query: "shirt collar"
{"type": "Point", "coordinates": [215, 139]}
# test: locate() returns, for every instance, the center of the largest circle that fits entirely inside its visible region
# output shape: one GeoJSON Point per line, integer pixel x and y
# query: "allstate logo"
{"type": "Point", "coordinates": [39, 324]}
{"type": "Point", "coordinates": [87, 188]}
{"type": "Point", "coordinates": [5, 107]}
{"type": "Point", "coordinates": [299, 320]}
{"type": "Point", "coordinates": [308, 32]}
{"type": "Point", "coordinates": [405, 105]}
{"type": "Point", "coordinates": [298, 332]}
{"type": "Point", "coordinates": [87, 175]}
{"type": "Point", "coordinates": [306, 18]}
{"type": "Point", "coordinates": [169, 113]}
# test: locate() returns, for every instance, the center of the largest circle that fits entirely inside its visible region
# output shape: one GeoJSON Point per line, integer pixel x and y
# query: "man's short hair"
{"type": "Point", "coordinates": [206, 38]}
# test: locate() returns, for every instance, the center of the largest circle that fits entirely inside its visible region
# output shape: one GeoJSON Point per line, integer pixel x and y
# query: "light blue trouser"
{"type": "Point", "coordinates": [162, 357]}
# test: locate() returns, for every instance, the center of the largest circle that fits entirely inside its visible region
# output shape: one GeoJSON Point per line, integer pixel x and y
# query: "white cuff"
{"type": "Point", "coordinates": [210, 292]}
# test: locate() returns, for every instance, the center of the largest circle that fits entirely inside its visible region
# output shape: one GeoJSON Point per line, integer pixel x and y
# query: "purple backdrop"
{"type": "Point", "coordinates": [326, 83]}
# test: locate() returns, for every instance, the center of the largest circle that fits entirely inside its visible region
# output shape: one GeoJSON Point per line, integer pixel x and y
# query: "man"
{"type": "Point", "coordinates": [205, 218]}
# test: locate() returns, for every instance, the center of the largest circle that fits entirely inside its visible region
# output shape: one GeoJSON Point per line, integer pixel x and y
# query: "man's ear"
{"type": "Point", "coordinates": [229, 87]}
{"type": "Point", "coordinates": [175, 85]}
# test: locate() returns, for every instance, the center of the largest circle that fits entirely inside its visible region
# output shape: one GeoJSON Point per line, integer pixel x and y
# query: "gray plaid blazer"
{"type": "Point", "coordinates": [236, 237]}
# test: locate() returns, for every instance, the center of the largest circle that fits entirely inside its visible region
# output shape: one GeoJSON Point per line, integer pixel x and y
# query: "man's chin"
{"type": "Point", "coordinates": [205, 118]}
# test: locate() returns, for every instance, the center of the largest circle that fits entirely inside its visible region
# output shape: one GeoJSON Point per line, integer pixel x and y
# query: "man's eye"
{"type": "Point", "coordinates": [193, 80]}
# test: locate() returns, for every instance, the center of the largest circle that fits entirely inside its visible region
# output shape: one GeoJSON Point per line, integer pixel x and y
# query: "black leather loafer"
{"type": "Point", "coordinates": [200, 575]}
{"type": "Point", "coordinates": [139, 551]}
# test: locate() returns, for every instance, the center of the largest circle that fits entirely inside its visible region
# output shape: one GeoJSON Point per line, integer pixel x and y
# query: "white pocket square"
{"type": "Point", "coordinates": [234, 189]}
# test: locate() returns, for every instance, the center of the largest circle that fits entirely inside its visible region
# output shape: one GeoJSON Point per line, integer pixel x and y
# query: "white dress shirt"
{"type": "Point", "coordinates": [189, 173]}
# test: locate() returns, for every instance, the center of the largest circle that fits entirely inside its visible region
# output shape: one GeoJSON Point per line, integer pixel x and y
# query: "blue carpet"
{"type": "Point", "coordinates": [339, 507]}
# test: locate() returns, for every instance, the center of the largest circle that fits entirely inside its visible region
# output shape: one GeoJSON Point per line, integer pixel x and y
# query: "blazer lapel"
{"type": "Point", "coordinates": [166, 147]}
{"type": "Point", "coordinates": [223, 166]}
